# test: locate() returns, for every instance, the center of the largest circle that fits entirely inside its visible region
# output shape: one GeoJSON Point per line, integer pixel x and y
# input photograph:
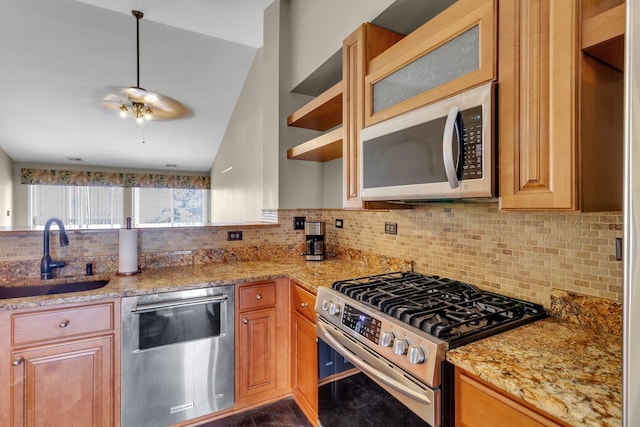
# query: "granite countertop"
{"type": "Point", "coordinates": [311, 275]}
{"type": "Point", "coordinates": [568, 370]}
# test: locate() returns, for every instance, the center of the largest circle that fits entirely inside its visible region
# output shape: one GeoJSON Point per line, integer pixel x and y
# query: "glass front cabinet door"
{"type": "Point", "coordinates": [452, 52]}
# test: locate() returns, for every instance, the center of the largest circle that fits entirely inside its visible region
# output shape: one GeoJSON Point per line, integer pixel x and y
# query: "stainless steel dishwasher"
{"type": "Point", "coordinates": [177, 355]}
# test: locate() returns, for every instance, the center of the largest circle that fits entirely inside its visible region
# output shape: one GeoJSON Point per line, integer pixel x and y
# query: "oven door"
{"type": "Point", "coordinates": [346, 400]}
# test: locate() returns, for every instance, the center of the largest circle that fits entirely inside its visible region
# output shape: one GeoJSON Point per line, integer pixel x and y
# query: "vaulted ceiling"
{"type": "Point", "coordinates": [61, 58]}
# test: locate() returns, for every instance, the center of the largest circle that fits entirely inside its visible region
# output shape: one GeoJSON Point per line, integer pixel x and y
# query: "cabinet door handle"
{"type": "Point", "coordinates": [17, 361]}
{"type": "Point", "coordinates": [64, 323]}
{"type": "Point", "coordinates": [304, 305]}
{"type": "Point", "coordinates": [258, 296]}
{"type": "Point", "coordinates": [245, 321]}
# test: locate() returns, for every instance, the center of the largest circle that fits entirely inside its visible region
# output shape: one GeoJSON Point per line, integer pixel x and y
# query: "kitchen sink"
{"type": "Point", "coordinates": [60, 288]}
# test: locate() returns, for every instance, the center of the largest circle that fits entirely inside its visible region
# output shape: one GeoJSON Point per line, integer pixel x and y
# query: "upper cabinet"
{"type": "Point", "coordinates": [560, 112]}
{"type": "Point", "coordinates": [454, 51]}
{"type": "Point", "coordinates": [358, 50]}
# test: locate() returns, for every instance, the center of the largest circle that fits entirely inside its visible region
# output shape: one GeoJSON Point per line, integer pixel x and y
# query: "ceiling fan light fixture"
{"type": "Point", "coordinates": [143, 105]}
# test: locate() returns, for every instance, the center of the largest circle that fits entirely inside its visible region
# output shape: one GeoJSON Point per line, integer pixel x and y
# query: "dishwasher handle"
{"type": "Point", "coordinates": [144, 308]}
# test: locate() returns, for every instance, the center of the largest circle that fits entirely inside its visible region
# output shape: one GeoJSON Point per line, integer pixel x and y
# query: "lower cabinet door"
{"type": "Point", "coordinates": [64, 385]}
{"type": "Point", "coordinates": [257, 352]}
{"type": "Point", "coordinates": [305, 367]}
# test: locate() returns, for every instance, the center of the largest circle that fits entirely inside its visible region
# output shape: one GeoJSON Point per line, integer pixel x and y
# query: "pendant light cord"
{"type": "Point", "coordinates": [138, 16]}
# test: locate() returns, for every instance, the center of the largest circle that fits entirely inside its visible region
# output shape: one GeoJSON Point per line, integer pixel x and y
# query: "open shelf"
{"type": "Point", "coordinates": [322, 113]}
{"type": "Point", "coordinates": [603, 36]}
{"type": "Point", "coordinates": [321, 149]}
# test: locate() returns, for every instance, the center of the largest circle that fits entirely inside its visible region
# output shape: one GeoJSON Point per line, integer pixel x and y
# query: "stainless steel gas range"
{"type": "Point", "coordinates": [396, 328]}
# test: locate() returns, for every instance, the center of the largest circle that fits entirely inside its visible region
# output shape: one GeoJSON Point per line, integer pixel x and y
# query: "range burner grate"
{"type": "Point", "coordinates": [453, 311]}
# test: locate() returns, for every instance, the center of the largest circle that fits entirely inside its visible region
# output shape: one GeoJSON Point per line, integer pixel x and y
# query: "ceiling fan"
{"type": "Point", "coordinates": [138, 102]}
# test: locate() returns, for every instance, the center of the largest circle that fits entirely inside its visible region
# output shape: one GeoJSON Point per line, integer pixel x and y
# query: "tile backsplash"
{"type": "Point", "coordinates": [524, 255]}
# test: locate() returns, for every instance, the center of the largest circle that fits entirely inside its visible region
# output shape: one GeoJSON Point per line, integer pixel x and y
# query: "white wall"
{"type": "Point", "coordinates": [310, 33]}
{"type": "Point", "coordinates": [237, 173]}
{"type": "Point", "coordinates": [6, 189]}
{"type": "Point", "coordinates": [319, 27]}
{"type": "Point", "coordinates": [251, 141]}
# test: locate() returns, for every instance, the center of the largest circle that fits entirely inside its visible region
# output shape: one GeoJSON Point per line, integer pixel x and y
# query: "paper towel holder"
{"type": "Point", "coordinates": [133, 272]}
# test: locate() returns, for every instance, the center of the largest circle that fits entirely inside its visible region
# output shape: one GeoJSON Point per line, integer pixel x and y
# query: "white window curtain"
{"type": "Point", "coordinates": [76, 205]}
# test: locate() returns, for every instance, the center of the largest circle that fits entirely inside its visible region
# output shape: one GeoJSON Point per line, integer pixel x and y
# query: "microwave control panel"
{"type": "Point", "coordinates": [471, 135]}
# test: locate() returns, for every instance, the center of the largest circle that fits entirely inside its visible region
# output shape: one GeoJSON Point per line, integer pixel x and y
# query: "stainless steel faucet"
{"type": "Point", "coordinates": [47, 264]}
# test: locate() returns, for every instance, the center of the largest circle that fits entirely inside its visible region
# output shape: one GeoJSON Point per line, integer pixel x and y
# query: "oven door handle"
{"type": "Point", "coordinates": [178, 303]}
{"type": "Point", "coordinates": [401, 388]}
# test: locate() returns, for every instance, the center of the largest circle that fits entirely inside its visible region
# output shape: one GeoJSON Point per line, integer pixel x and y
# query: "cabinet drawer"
{"type": "Point", "coordinates": [53, 324]}
{"type": "Point", "coordinates": [304, 303]}
{"type": "Point", "coordinates": [257, 296]}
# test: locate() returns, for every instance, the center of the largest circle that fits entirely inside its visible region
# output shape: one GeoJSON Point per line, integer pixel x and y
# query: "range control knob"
{"type": "Point", "coordinates": [415, 354]}
{"type": "Point", "coordinates": [387, 339]}
{"type": "Point", "coordinates": [334, 308]}
{"type": "Point", "coordinates": [400, 346]}
{"type": "Point", "coordinates": [325, 305]}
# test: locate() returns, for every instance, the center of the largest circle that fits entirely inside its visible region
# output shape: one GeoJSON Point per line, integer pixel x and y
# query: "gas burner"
{"type": "Point", "coordinates": [454, 311]}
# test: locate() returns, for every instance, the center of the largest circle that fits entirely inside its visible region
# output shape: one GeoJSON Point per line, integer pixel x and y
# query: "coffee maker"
{"type": "Point", "coordinates": [315, 240]}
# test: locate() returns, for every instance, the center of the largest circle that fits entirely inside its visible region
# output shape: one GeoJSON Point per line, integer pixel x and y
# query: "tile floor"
{"type": "Point", "coordinates": [283, 413]}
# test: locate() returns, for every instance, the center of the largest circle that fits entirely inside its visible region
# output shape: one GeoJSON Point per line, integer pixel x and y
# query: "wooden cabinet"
{"type": "Point", "coordinates": [453, 51]}
{"type": "Point", "coordinates": [60, 366]}
{"type": "Point", "coordinates": [364, 44]}
{"type": "Point", "coordinates": [479, 404]}
{"type": "Point", "coordinates": [304, 352]}
{"type": "Point", "coordinates": [262, 345]}
{"type": "Point", "coordinates": [560, 113]}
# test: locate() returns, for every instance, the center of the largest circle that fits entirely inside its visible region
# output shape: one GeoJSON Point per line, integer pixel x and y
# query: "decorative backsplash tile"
{"type": "Point", "coordinates": [525, 255]}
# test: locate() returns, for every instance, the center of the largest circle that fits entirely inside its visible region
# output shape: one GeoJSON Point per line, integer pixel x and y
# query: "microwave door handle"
{"type": "Point", "coordinates": [447, 147]}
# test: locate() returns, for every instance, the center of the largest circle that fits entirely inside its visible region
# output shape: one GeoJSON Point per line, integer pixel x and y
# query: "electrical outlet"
{"type": "Point", "coordinates": [391, 227]}
{"type": "Point", "coordinates": [298, 222]}
{"type": "Point", "coordinates": [339, 223]}
{"type": "Point", "coordinates": [234, 235]}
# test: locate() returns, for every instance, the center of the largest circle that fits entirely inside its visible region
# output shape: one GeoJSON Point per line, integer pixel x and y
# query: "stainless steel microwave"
{"type": "Point", "coordinates": [445, 150]}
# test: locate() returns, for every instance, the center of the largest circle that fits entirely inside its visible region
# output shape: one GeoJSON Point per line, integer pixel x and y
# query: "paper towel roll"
{"type": "Point", "coordinates": [128, 252]}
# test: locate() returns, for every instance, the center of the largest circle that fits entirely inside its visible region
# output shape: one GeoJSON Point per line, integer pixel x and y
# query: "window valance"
{"type": "Point", "coordinates": [112, 179]}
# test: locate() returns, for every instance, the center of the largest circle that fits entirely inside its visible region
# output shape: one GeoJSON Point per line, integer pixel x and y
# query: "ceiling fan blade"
{"type": "Point", "coordinates": [162, 106]}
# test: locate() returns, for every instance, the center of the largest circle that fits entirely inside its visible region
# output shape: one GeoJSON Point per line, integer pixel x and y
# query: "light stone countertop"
{"type": "Point", "coordinates": [311, 275]}
{"type": "Point", "coordinates": [568, 370]}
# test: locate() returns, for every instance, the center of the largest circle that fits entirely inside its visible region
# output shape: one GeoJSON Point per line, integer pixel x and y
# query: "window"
{"type": "Point", "coordinates": [170, 206]}
{"type": "Point", "coordinates": [76, 205]}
